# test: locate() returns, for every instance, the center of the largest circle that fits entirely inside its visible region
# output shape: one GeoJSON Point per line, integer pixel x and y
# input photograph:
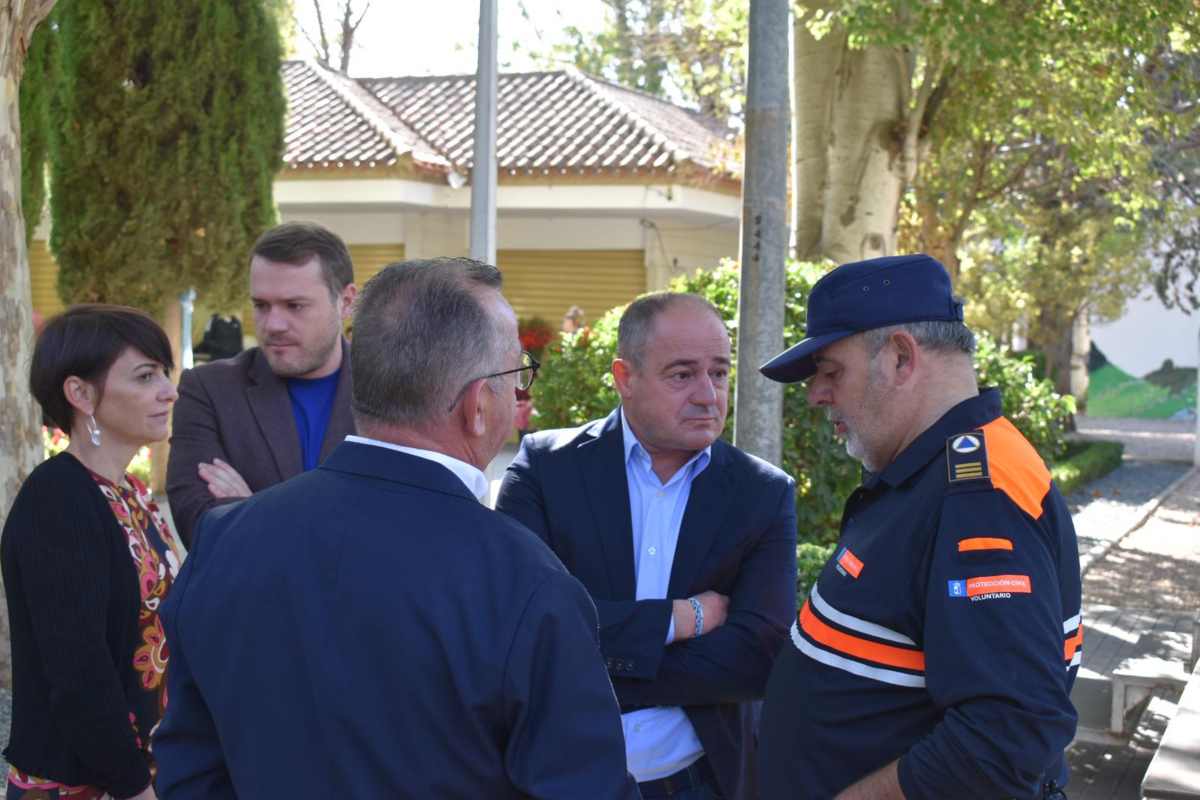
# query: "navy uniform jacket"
{"type": "Point", "coordinates": [945, 630]}
{"type": "Point", "coordinates": [368, 629]}
{"type": "Point", "coordinates": [737, 537]}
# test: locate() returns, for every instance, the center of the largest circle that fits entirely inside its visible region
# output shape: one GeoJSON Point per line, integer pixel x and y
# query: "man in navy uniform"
{"type": "Point", "coordinates": [369, 628]}
{"type": "Point", "coordinates": [935, 654]}
{"type": "Point", "coordinates": [686, 544]}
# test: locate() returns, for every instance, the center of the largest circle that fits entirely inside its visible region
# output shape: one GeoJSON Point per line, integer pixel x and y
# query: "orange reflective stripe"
{"type": "Point", "coordinates": [983, 543]}
{"type": "Point", "coordinates": [857, 647]}
{"type": "Point", "coordinates": [1015, 467]}
{"type": "Point", "coordinates": [1073, 644]}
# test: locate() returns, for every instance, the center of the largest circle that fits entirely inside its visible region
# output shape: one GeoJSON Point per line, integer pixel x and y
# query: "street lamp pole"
{"type": "Point", "coordinates": [758, 409]}
{"type": "Point", "coordinates": [483, 171]}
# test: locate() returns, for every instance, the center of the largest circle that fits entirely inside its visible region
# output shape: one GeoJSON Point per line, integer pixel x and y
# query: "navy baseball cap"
{"type": "Point", "coordinates": [864, 295]}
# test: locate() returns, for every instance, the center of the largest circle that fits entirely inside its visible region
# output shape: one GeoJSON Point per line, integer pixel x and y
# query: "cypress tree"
{"type": "Point", "coordinates": [36, 85]}
{"type": "Point", "coordinates": [166, 135]}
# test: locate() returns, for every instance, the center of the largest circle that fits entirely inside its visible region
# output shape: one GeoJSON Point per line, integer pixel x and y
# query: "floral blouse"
{"type": "Point", "coordinates": [156, 558]}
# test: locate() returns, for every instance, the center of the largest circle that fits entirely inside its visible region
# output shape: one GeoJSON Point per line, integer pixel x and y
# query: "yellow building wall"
{"type": "Point", "coordinates": [545, 283]}
{"type": "Point", "coordinates": [43, 274]}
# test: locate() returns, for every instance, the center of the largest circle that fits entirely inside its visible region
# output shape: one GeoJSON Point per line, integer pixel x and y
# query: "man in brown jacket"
{"type": "Point", "coordinates": [276, 410]}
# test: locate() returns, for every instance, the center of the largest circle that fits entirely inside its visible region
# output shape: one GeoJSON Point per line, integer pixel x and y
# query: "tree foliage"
{"type": "Point", "coordinates": [35, 126]}
{"type": "Point", "coordinates": [1027, 133]}
{"type": "Point", "coordinates": [692, 51]}
{"type": "Point", "coordinates": [575, 385]}
{"type": "Point", "coordinates": [1176, 161]}
{"type": "Point", "coordinates": [1047, 194]}
{"type": "Point", "coordinates": [166, 134]}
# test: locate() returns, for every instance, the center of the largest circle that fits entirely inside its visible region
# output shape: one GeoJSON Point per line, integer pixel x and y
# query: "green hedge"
{"type": "Point", "coordinates": [1090, 461]}
{"type": "Point", "coordinates": [810, 559]}
{"type": "Point", "coordinates": [575, 385]}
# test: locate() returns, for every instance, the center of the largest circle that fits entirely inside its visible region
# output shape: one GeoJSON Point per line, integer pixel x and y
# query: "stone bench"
{"type": "Point", "coordinates": [1135, 680]}
{"type": "Point", "coordinates": [1174, 772]}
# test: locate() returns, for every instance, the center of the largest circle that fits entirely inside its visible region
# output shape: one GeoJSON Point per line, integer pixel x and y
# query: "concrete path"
{"type": "Point", "coordinates": [1140, 598]}
{"type": "Point", "coordinates": [1145, 439]}
{"type": "Point", "coordinates": [1106, 510]}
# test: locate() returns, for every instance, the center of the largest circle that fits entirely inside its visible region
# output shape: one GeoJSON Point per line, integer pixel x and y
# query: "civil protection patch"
{"type": "Point", "coordinates": [966, 457]}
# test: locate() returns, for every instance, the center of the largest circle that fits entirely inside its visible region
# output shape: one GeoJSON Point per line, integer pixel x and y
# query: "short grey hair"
{"type": "Point", "coordinates": [421, 333]}
{"type": "Point", "coordinates": [937, 335]}
{"type": "Point", "coordinates": [637, 323]}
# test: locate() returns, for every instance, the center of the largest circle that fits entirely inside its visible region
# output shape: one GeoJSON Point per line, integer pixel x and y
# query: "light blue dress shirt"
{"type": "Point", "coordinates": [658, 741]}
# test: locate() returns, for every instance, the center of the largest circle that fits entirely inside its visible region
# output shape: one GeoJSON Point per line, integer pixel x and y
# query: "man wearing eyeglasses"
{"type": "Point", "coordinates": [370, 628]}
{"type": "Point", "coordinates": [686, 544]}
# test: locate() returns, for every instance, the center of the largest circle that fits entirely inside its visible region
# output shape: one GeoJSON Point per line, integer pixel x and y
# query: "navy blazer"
{"type": "Point", "coordinates": [368, 629]}
{"type": "Point", "coordinates": [738, 537]}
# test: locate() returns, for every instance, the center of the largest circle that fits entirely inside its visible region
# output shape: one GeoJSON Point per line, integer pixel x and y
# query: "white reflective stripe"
{"type": "Point", "coordinates": [1077, 659]}
{"type": "Point", "coordinates": [854, 623]}
{"type": "Point", "coordinates": [862, 670]}
{"type": "Point", "coordinates": [1072, 625]}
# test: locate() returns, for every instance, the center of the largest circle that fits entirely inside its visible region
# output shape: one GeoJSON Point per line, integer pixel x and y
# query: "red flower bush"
{"type": "Point", "coordinates": [535, 333]}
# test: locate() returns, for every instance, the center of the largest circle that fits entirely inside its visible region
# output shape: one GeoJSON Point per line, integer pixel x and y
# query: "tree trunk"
{"type": "Point", "coordinates": [20, 429]}
{"type": "Point", "coordinates": [1053, 338]}
{"type": "Point", "coordinates": [1081, 345]}
{"type": "Point", "coordinates": [1065, 338]}
{"type": "Point", "coordinates": [850, 164]}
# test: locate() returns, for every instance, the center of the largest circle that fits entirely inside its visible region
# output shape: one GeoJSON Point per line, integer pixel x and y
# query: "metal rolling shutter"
{"type": "Point", "coordinates": [545, 283]}
{"type": "Point", "coordinates": [370, 258]}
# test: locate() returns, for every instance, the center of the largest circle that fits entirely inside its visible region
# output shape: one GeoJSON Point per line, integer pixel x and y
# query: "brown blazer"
{"type": "Point", "coordinates": [238, 410]}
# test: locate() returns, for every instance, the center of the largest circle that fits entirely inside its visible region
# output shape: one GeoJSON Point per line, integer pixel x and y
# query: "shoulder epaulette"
{"type": "Point", "coordinates": [966, 457]}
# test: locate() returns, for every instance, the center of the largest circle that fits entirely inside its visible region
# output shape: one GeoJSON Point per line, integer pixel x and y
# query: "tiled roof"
{"type": "Point", "coordinates": [563, 121]}
{"type": "Point", "coordinates": [323, 127]}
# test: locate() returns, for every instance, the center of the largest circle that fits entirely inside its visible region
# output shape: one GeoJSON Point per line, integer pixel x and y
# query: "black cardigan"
{"type": "Point", "coordinates": [73, 603]}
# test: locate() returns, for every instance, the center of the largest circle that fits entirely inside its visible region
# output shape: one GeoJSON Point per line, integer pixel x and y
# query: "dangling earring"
{"type": "Point", "coordinates": [93, 430]}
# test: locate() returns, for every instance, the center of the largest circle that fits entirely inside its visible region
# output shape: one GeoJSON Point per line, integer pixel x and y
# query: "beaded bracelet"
{"type": "Point", "coordinates": [699, 609]}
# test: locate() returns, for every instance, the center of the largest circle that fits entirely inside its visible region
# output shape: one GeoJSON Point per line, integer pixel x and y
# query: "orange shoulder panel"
{"type": "Point", "coordinates": [1015, 467]}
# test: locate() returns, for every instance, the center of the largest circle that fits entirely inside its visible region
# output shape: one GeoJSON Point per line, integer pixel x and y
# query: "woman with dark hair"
{"type": "Point", "coordinates": [87, 558]}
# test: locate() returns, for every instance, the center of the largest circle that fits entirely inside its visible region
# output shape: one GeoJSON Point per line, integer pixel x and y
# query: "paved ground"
{"type": "Point", "coordinates": [1158, 565]}
{"type": "Point", "coordinates": [1145, 439]}
{"type": "Point", "coordinates": [1106, 509]}
{"type": "Point", "coordinates": [1140, 596]}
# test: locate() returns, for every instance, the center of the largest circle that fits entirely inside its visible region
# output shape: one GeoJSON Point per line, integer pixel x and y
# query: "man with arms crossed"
{"type": "Point", "coordinates": [686, 544]}
{"type": "Point", "coordinates": [275, 410]}
{"type": "Point", "coordinates": [369, 629]}
{"type": "Point", "coordinates": [935, 655]}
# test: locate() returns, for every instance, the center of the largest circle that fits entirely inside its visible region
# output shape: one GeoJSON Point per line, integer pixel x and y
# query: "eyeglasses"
{"type": "Point", "coordinates": [526, 374]}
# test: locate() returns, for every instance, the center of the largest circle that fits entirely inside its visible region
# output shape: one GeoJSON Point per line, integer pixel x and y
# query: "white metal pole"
{"type": "Point", "coordinates": [187, 304]}
{"type": "Point", "coordinates": [483, 171]}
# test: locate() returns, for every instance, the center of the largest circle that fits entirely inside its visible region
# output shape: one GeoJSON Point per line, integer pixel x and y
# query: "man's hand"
{"type": "Point", "coordinates": [715, 607]}
{"type": "Point", "coordinates": [225, 482]}
{"type": "Point", "coordinates": [881, 785]}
